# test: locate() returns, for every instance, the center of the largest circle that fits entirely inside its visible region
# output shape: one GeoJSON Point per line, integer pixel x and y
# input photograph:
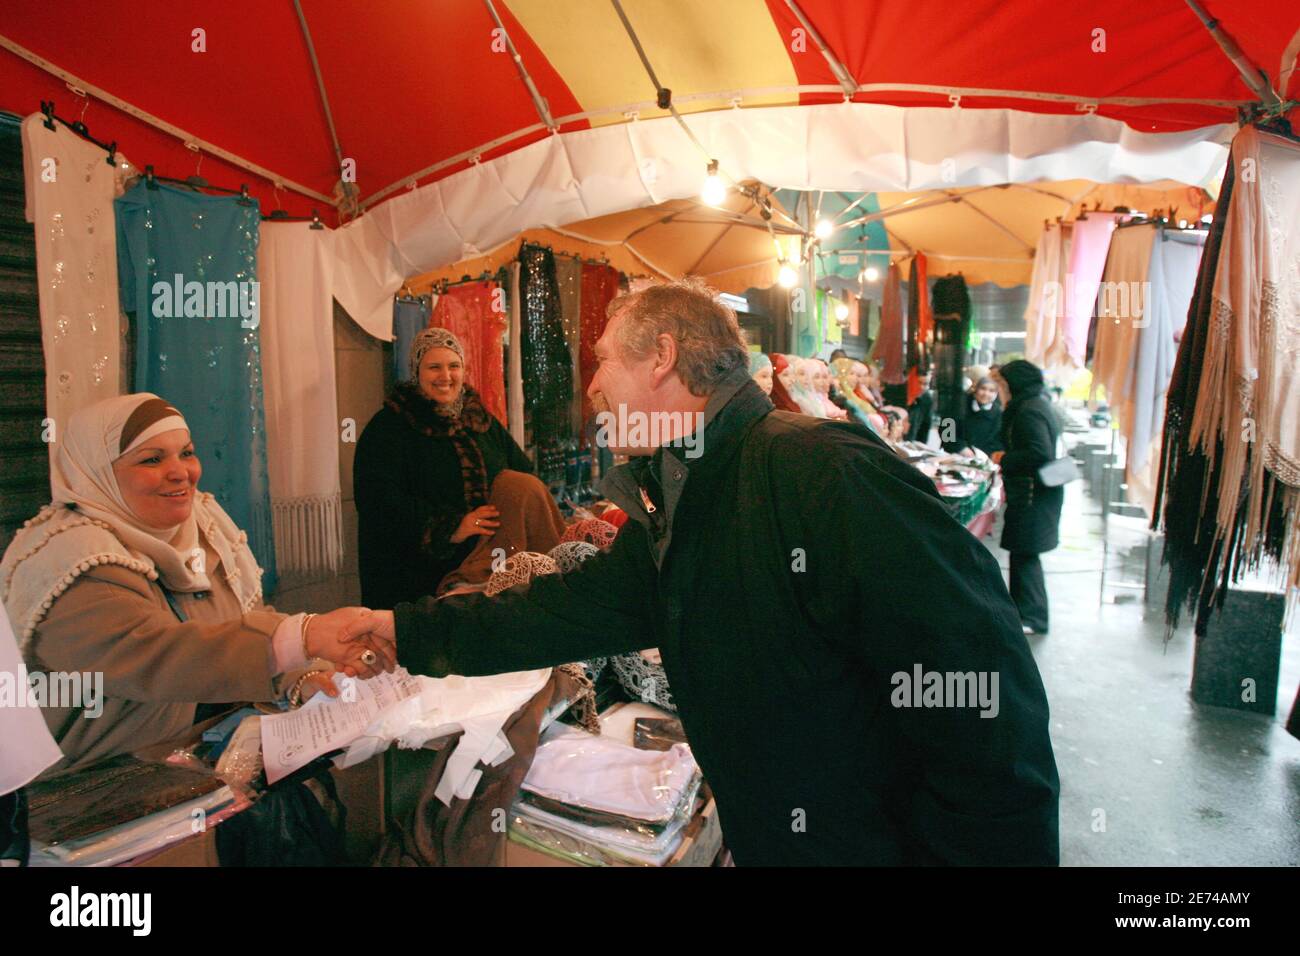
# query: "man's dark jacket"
{"type": "Point", "coordinates": [774, 575]}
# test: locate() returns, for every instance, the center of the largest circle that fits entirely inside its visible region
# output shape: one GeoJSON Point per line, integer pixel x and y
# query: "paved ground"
{"type": "Point", "coordinates": [1179, 783]}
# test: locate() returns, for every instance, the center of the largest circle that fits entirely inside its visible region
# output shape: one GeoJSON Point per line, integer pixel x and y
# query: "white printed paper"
{"type": "Point", "coordinates": [293, 740]}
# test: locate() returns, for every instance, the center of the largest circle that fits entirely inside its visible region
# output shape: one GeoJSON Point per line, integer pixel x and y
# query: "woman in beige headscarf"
{"type": "Point", "coordinates": [133, 573]}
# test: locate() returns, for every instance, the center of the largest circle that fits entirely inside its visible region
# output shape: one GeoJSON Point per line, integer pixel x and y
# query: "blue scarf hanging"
{"type": "Point", "coordinates": [187, 270]}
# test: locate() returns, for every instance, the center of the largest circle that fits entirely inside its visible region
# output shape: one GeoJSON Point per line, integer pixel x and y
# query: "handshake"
{"type": "Point", "coordinates": [359, 642]}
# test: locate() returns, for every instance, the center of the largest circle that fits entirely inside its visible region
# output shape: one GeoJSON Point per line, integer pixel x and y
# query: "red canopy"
{"type": "Point", "coordinates": [413, 85]}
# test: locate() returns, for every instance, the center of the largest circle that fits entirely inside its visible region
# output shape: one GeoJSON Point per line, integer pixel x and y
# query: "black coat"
{"type": "Point", "coordinates": [410, 499]}
{"type": "Point", "coordinates": [978, 429]}
{"type": "Point", "coordinates": [782, 654]}
{"type": "Point", "coordinates": [1033, 514]}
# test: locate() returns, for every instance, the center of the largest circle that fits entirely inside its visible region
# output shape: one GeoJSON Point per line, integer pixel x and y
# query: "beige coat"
{"type": "Point", "coordinates": [155, 668]}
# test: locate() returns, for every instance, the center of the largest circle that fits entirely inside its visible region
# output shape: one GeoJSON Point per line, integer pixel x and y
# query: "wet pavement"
{"type": "Point", "coordinates": [1149, 778]}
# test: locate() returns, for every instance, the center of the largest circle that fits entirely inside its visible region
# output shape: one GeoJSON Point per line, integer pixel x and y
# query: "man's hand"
{"type": "Point", "coordinates": [325, 638]}
{"type": "Point", "coordinates": [379, 628]}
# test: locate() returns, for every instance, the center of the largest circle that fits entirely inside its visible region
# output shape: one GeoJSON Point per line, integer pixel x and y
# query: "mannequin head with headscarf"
{"type": "Point", "coordinates": [782, 379]}
{"type": "Point", "coordinates": [438, 368]}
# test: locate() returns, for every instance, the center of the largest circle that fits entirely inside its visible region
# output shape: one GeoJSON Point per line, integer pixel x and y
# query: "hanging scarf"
{"type": "Point", "coordinates": [89, 523]}
{"type": "Point", "coordinates": [1249, 378]}
{"type": "Point", "coordinates": [459, 421]}
{"type": "Point", "coordinates": [204, 351]}
{"type": "Point", "coordinates": [547, 363]}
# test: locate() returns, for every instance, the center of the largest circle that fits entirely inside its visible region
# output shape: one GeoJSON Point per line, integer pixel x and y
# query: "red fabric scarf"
{"type": "Point", "coordinates": [467, 312]}
{"type": "Point", "coordinates": [599, 287]}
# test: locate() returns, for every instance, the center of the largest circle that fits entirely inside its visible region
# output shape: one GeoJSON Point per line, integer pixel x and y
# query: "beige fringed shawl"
{"type": "Point", "coordinates": [1250, 388]}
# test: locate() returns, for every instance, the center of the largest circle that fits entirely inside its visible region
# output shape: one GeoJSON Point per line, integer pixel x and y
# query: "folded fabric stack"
{"type": "Point", "coordinates": [122, 809]}
{"type": "Point", "coordinates": [598, 801]}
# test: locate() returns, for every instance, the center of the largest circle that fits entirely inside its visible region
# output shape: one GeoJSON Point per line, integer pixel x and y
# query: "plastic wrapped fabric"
{"type": "Point", "coordinates": [142, 837]}
{"type": "Point", "coordinates": [602, 845]}
{"type": "Point", "coordinates": [597, 773]}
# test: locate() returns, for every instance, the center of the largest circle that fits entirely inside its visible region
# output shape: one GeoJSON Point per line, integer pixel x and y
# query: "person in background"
{"type": "Point", "coordinates": [981, 423]}
{"type": "Point", "coordinates": [1033, 515]}
{"type": "Point", "coordinates": [920, 414]}
{"type": "Point", "coordinates": [439, 482]}
{"type": "Point", "coordinates": [760, 370]}
{"type": "Point", "coordinates": [876, 779]}
{"type": "Point", "coordinates": [837, 355]}
{"type": "Point", "coordinates": [133, 573]}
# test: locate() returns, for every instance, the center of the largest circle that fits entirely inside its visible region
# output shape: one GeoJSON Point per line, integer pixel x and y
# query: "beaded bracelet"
{"type": "Point", "coordinates": [295, 692]}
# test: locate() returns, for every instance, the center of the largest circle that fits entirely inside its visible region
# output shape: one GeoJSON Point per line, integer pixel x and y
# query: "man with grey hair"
{"type": "Point", "coordinates": [770, 571]}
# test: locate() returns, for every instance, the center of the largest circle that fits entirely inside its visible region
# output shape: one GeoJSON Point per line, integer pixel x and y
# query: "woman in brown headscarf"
{"type": "Point", "coordinates": [440, 485]}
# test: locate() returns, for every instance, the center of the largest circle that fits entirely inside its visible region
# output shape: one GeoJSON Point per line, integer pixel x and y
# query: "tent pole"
{"type": "Point", "coordinates": [1251, 75]}
{"type": "Point", "coordinates": [539, 102]}
{"type": "Point", "coordinates": [842, 75]}
{"type": "Point", "coordinates": [320, 86]}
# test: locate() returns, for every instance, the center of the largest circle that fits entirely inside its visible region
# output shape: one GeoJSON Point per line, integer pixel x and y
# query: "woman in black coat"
{"type": "Point", "coordinates": [981, 423]}
{"type": "Point", "coordinates": [424, 468]}
{"type": "Point", "coordinates": [1033, 516]}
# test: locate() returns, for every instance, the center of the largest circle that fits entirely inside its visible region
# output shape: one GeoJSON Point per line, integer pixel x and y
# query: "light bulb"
{"type": "Point", "coordinates": [871, 273]}
{"type": "Point", "coordinates": [787, 277]}
{"type": "Point", "coordinates": [1207, 219]}
{"type": "Point", "coordinates": [1182, 223]}
{"type": "Point", "coordinates": [714, 191]}
{"type": "Point", "coordinates": [841, 311]}
{"type": "Point", "coordinates": [823, 229]}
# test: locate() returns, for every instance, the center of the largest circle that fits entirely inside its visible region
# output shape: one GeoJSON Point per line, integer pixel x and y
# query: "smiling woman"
{"type": "Point", "coordinates": [133, 574]}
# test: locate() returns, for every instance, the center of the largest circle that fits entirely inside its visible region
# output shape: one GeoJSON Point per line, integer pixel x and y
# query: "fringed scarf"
{"type": "Point", "coordinates": [1230, 500]}
{"type": "Point", "coordinates": [458, 421]}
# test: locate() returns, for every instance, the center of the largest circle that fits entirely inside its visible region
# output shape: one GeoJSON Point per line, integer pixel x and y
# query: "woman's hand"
{"type": "Point", "coordinates": [319, 682]}
{"type": "Point", "coordinates": [484, 520]}
{"type": "Point", "coordinates": [326, 638]}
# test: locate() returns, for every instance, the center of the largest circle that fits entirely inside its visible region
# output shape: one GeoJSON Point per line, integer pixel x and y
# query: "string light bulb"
{"type": "Point", "coordinates": [714, 191]}
{"type": "Point", "coordinates": [871, 273]}
{"type": "Point", "coordinates": [787, 277]}
{"type": "Point", "coordinates": [841, 311]}
{"type": "Point", "coordinates": [823, 229]}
